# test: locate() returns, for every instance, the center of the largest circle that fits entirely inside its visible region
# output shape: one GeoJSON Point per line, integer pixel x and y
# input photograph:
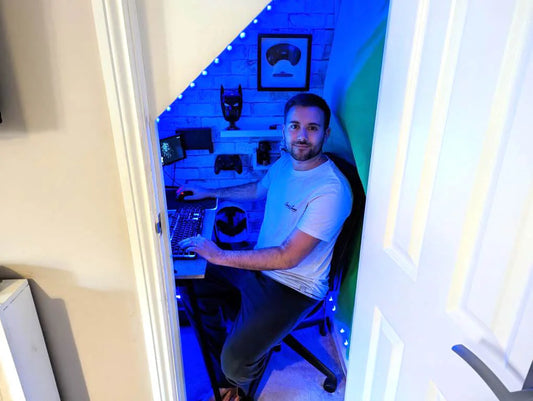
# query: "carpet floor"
{"type": "Point", "coordinates": [287, 378]}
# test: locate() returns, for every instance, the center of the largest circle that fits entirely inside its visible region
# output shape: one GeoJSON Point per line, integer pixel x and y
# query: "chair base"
{"type": "Point", "coordinates": [330, 384]}
{"type": "Point", "coordinates": [331, 381]}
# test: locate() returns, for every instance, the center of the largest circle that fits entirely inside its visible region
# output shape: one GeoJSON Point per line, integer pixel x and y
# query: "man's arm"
{"type": "Point", "coordinates": [249, 191]}
{"type": "Point", "coordinates": [291, 252]}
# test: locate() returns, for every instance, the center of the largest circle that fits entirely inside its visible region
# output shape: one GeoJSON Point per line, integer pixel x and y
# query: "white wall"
{"type": "Point", "coordinates": [61, 215]}
{"type": "Point", "coordinates": [62, 222]}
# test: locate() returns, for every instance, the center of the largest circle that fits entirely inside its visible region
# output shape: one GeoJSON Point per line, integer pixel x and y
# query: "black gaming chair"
{"type": "Point", "coordinates": [342, 255]}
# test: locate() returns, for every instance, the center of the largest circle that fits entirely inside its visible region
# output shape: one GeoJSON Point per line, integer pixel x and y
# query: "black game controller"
{"type": "Point", "coordinates": [228, 162]}
{"type": "Point", "coordinates": [283, 51]}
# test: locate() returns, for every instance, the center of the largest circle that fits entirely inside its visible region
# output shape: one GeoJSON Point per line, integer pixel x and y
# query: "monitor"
{"type": "Point", "coordinates": [171, 149]}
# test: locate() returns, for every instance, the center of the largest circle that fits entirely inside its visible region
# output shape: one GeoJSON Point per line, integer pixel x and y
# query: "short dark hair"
{"type": "Point", "coordinates": [309, 100]}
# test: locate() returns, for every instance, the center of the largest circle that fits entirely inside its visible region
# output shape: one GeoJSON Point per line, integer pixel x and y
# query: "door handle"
{"type": "Point", "coordinates": [494, 383]}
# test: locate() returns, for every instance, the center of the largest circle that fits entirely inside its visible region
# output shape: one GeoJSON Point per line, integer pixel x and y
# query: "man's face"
{"type": "Point", "coordinates": [304, 132]}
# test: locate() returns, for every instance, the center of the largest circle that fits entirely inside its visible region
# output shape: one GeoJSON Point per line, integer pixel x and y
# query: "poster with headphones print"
{"type": "Point", "coordinates": [283, 62]}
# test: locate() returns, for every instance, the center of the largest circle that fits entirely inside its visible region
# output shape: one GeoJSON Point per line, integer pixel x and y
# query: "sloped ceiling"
{"type": "Point", "coordinates": [181, 37]}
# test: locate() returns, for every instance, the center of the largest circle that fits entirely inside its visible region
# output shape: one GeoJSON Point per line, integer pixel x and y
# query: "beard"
{"type": "Point", "coordinates": [303, 150]}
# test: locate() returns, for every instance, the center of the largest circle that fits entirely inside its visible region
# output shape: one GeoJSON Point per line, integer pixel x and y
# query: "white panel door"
{"type": "Point", "coordinates": [447, 254]}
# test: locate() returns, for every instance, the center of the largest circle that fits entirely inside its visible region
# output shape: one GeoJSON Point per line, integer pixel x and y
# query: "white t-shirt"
{"type": "Point", "coordinates": [315, 201]}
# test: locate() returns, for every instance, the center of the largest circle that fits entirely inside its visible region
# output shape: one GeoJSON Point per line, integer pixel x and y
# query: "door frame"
{"type": "Point", "coordinates": [137, 155]}
{"type": "Point", "coordinates": [141, 176]}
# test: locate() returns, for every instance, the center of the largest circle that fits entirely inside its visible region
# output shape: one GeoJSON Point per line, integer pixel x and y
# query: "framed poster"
{"type": "Point", "coordinates": [283, 62]}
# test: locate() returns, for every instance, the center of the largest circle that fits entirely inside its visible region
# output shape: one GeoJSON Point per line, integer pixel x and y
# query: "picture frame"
{"type": "Point", "coordinates": [283, 62]}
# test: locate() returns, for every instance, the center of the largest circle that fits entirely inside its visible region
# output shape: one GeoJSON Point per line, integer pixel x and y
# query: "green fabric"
{"type": "Point", "coordinates": [358, 108]}
{"type": "Point", "coordinates": [351, 88]}
{"type": "Point", "coordinates": [358, 114]}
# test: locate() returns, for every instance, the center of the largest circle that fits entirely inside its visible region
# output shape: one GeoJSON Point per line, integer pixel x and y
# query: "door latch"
{"type": "Point", "coordinates": [158, 224]}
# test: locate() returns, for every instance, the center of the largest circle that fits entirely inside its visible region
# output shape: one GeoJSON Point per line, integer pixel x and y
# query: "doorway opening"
{"type": "Point", "coordinates": [198, 107]}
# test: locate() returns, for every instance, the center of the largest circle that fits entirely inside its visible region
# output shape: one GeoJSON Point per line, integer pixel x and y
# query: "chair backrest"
{"type": "Point", "coordinates": [344, 247]}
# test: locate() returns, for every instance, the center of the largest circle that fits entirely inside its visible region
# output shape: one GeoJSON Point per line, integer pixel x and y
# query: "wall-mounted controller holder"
{"type": "Point", "coordinates": [228, 162]}
{"type": "Point", "coordinates": [263, 153]}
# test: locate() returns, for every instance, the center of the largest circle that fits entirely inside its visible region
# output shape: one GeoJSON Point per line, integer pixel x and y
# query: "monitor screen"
{"type": "Point", "coordinates": [171, 149]}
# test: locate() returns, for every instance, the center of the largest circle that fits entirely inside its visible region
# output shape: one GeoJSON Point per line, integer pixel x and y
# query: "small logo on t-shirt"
{"type": "Point", "coordinates": [290, 207]}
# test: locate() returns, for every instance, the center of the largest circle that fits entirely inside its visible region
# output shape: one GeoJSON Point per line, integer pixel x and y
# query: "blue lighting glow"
{"type": "Point", "coordinates": [169, 108]}
{"type": "Point", "coordinates": [217, 60]}
{"type": "Point", "coordinates": [229, 47]}
{"type": "Point", "coordinates": [178, 296]}
{"type": "Point", "coordinates": [192, 85]}
{"type": "Point", "coordinates": [346, 343]}
{"type": "Point", "coordinates": [180, 97]}
{"type": "Point", "coordinates": [330, 299]}
{"type": "Point", "coordinates": [269, 7]}
{"type": "Point", "coordinates": [157, 120]}
{"type": "Point", "coordinates": [204, 72]}
{"type": "Point", "coordinates": [255, 21]}
{"type": "Point", "coordinates": [334, 308]}
{"type": "Point", "coordinates": [342, 331]}
{"type": "Point", "coordinates": [242, 35]}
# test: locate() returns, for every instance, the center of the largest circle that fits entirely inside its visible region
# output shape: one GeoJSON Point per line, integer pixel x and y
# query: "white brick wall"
{"type": "Point", "coordinates": [200, 106]}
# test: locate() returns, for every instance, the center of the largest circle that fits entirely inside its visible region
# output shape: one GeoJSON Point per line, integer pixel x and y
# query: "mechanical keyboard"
{"type": "Point", "coordinates": [185, 222]}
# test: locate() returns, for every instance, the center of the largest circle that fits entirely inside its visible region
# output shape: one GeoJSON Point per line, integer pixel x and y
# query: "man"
{"type": "Point", "coordinates": [268, 290]}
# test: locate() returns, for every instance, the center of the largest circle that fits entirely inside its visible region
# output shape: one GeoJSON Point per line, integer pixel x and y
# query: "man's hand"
{"type": "Point", "coordinates": [193, 192]}
{"type": "Point", "coordinates": [202, 246]}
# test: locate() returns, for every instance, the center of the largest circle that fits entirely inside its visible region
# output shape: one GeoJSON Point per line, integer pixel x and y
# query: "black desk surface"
{"type": "Point", "coordinates": [192, 268]}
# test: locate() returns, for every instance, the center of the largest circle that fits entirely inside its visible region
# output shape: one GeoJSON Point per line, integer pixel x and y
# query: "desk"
{"type": "Point", "coordinates": [186, 270]}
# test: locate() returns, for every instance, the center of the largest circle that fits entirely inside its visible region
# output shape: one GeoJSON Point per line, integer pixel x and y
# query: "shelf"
{"type": "Point", "coordinates": [267, 134]}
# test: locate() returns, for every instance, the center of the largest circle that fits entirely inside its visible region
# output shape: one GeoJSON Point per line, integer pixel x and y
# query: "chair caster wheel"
{"type": "Point", "coordinates": [330, 384]}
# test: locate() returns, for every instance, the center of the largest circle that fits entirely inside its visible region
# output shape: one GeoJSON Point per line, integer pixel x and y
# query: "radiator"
{"type": "Point", "coordinates": [25, 369]}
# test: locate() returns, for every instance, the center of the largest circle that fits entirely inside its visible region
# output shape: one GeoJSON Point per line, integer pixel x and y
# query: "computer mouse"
{"type": "Point", "coordinates": [180, 195]}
